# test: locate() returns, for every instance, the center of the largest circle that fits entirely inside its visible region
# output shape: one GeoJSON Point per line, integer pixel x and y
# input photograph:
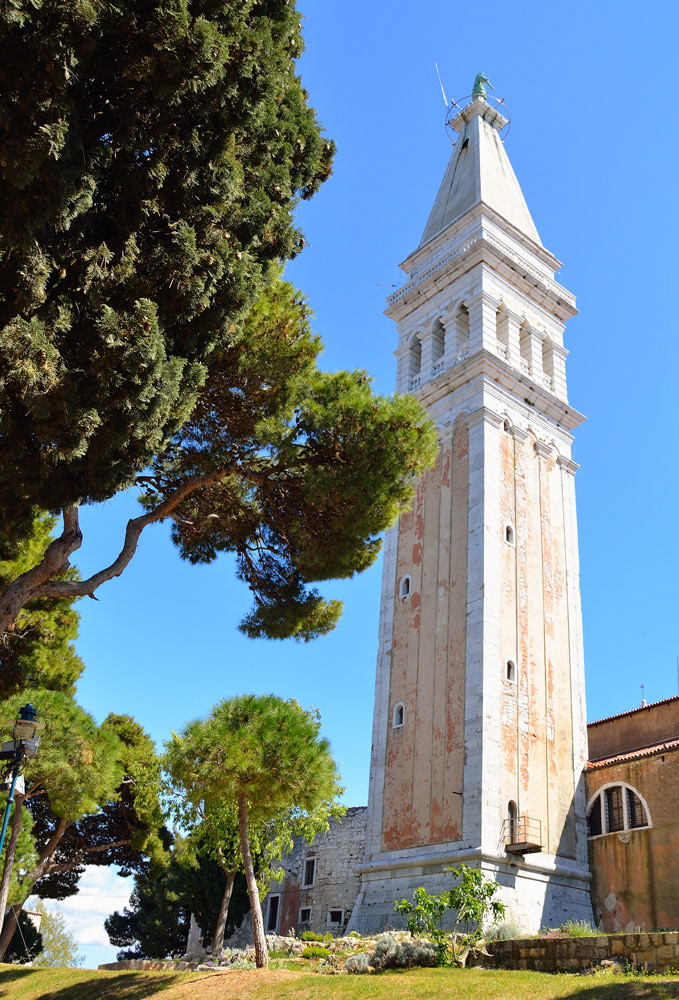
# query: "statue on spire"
{"type": "Point", "coordinates": [479, 85]}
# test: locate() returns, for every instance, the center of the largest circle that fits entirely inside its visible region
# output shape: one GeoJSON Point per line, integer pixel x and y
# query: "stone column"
{"type": "Point", "coordinates": [559, 378]}
{"type": "Point", "coordinates": [513, 337]}
{"type": "Point", "coordinates": [483, 322]}
{"type": "Point", "coordinates": [577, 659]}
{"type": "Point", "coordinates": [482, 695]}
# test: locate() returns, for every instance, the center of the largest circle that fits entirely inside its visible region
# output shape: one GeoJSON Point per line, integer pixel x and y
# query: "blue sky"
{"type": "Point", "coordinates": [593, 143]}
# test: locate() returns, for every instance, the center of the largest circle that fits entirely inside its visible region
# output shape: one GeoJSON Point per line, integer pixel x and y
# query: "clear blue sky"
{"type": "Point", "coordinates": [594, 145]}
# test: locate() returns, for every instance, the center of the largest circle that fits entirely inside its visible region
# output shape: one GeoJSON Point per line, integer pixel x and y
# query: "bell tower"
{"type": "Point", "coordinates": [479, 733]}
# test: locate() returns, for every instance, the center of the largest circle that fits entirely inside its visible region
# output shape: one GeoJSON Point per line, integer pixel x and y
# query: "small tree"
{"type": "Point", "coordinates": [59, 946]}
{"type": "Point", "coordinates": [264, 758]}
{"type": "Point", "coordinates": [93, 794]}
{"type": "Point", "coordinates": [472, 899]}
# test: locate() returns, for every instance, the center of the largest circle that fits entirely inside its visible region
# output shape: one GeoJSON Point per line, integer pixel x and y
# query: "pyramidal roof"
{"type": "Point", "coordinates": [479, 171]}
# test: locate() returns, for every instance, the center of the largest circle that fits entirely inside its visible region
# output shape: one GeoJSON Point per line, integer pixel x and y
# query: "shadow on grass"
{"type": "Point", "coordinates": [126, 986]}
{"type": "Point", "coordinates": [628, 988]}
{"type": "Point", "coordinates": [13, 972]}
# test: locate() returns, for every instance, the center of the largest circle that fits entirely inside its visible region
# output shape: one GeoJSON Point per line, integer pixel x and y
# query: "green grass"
{"type": "Point", "coordinates": [19, 983]}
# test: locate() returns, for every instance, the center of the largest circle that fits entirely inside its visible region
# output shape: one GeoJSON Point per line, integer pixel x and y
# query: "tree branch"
{"type": "Point", "coordinates": [40, 580]}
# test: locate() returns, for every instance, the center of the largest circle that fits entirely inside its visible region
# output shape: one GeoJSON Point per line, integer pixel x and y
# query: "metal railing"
{"type": "Point", "coordinates": [522, 835]}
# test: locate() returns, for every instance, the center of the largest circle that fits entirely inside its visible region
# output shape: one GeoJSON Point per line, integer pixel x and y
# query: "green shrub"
{"type": "Point", "coordinates": [503, 931]}
{"type": "Point", "coordinates": [313, 936]}
{"type": "Point", "coordinates": [357, 964]}
{"type": "Point", "coordinates": [315, 951]}
{"type": "Point", "coordinates": [471, 899]}
{"type": "Point", "coordinates": [392, 954]}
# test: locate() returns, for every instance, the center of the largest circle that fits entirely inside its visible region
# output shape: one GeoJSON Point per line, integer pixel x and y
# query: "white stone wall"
{"type": "Point", "coordinates": [337, 855]}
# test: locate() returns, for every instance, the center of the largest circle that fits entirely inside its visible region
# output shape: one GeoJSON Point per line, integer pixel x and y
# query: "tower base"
{"type": "Point", "coordinates": [542, 891]}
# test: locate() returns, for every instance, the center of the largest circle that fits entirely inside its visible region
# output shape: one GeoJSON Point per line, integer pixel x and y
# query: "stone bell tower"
{"type": "Point", "coordinates": [479, 737]}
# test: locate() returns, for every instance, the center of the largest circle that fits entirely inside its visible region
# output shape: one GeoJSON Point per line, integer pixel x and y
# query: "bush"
{"type": "Point", "coordinates": [313, 936]}
{"type": "Point", "coordinates": [315, 951]}
{"type": "Point", "coordinates": [503, 931]}
{"type": "Point", "coordinates": [392, 954]}
{"type": "Point", "coordinates": [357, 964]}
{"type": "Point", "coordinates": [571, 928]}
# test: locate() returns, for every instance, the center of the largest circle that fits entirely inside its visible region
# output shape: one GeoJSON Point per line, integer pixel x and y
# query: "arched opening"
{"type": "Point", "coordinates": [399, 715]}
{"type": "Point", "coordinates": [548, 361]}
{"type": "Point", "coordinates": [513, 818]}
{"type": "Point", "coordinates": [438, 335]}
{"type": "Point", "coordinates": [509, 534]}
{"type": "Point", "coordinates": [414, 360]}
{"type": "Point", "coordinates": [404, 587]}
{"type": "Point", "coordinates": [510, 671]}
{"type": "Point", "coordinates": [615, 808]}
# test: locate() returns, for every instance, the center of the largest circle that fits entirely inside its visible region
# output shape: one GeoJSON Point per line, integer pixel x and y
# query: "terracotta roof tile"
{"type": "Point", "coordinates": [631, 711]}
{"type": "Point", "coordinates": [634, 754]}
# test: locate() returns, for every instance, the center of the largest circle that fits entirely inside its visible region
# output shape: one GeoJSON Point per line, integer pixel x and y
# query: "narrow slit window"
{"type": "Point", "coordinates": [399, 715]}
{"type": "Point", "coordinates": [510, 671]}
{"type": "Point", "coordinates": [309, 872]}
{"type": "Point", "coordinates": [404, 589]}
{"type": "Point", "coordinates": [509, 534]}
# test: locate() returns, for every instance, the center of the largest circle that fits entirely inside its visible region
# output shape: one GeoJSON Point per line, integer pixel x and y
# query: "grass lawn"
{"type": "Point", "coordinates": [18, 983]}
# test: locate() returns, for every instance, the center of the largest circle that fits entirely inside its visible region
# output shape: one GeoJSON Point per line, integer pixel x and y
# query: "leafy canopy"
{"type": "Point", "coordinates": [314, 465]}
{"type": "Point", "coordinates": [151, 155]}
{"type": "Point", "coordinates": [268, 749]}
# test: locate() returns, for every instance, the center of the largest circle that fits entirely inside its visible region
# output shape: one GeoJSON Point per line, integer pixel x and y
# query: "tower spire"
{"type": "Point", "coordinates": [479, 171]}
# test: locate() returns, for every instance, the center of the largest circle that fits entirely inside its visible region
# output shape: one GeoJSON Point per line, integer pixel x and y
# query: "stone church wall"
{"type": "Point", "coordinates": [326, 903]}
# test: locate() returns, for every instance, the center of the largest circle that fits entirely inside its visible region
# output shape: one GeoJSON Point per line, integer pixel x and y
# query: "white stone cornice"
{"type": "Point", "coordinates": [519, 434]}
{"type": "Point", "coordinates": [542, 449]}
{"type": "Point", "coordinates": [485, 415]}
{"type": "Point", "coordinates": [567, 464]}
{"type": "Point", "coordinates": [483, 362]}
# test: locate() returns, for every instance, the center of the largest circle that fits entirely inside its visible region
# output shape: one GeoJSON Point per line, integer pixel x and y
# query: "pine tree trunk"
{"type": "Point", "coordinates": [261, 951]}
{"type": "Point", "coordinates": [218, 936]}
{"type": "Point", "coordinates": [7, 875]}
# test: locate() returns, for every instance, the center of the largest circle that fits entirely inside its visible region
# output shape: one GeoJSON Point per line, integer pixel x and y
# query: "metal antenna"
{"type": "Point", "coordinates": [678, 674]}
{"type": "Point", "coordinates": [643, 700]}
{"type": "Point", "coordinates": [445, 99]}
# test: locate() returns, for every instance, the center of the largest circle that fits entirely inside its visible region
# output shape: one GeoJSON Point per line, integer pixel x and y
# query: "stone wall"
{"type": "Point", "coordinates": [333, 889]}
{"type": "Point", "coordinates": [656, 951]}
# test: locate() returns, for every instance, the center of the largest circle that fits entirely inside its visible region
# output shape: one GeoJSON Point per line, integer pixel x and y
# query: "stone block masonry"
{"type": "Point", "coordinates": [654, 952]}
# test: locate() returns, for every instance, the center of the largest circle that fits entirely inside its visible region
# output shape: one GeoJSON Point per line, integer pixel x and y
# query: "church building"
{"type": "Point", "coordinates": [480, 745]}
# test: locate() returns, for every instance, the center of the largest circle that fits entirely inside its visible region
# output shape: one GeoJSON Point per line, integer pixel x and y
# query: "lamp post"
{"type": "Point", "coordinates": [24, 745]}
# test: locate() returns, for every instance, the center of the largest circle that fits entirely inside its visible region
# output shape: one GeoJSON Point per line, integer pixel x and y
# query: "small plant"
{"type": "Point", "coordinates": [357, 964]}
{"type": "Point", "coordinates": [471, 899]}
{"type": "Point", "coordinates": [315, 951]}
{"type": "Point", "coordinates": [355, 934]}
{"type": "Point", "coordinates": [571, 928]}
{"type": "Point", "coordinates": [503, 931]}
{"type": "Point", "coordinates": [390, 953]}
{"type": "Point", "coordinates": [313, 936]}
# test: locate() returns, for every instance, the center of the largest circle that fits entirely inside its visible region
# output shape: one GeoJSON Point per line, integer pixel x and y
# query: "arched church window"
{"type": "Point", "coordinates": [404, 587]}
{"type": "Point", "coordinates": [437, 343]}
{"type": "Point", "coordinates": [513, 817]}
{"type": "Point", "coordinates": [510, 671]}
{"type": "Point", "coordinates": [399, 715]}
{"type": "Point", "coordinates": [615, 808]}
{"type": "Point", "coordinates": [415, 357]}
{"type": "Point", "coordinates": [509, 534]}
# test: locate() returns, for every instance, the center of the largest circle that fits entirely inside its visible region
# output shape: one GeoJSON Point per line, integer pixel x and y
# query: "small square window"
{"type": "Point", "coordinates": [335, 916]}
{"type": "Point", "coordinates": [309, 872]}
{"type": "Point", "coordinates": [305, 915]}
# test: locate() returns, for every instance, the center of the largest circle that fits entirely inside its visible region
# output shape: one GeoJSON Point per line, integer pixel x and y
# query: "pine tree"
{"type": "Point", "coordinates": [151, 154]}
{"type": "Point", "coordinates": [295, 470]}
{"type": "Point", "coordinates": [262, 758]}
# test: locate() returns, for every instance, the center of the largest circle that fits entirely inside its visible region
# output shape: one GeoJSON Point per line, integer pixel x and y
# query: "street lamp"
{"type": "Point", "coordinates": [24, 744]}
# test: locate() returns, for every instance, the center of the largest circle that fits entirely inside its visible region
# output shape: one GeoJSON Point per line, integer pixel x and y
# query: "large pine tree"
{"type": "Point", "coordinates": [151, 153]}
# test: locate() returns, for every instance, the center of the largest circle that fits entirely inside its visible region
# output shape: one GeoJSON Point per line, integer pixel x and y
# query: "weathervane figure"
{"type": "Point", "coordinates": [479, 85]}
